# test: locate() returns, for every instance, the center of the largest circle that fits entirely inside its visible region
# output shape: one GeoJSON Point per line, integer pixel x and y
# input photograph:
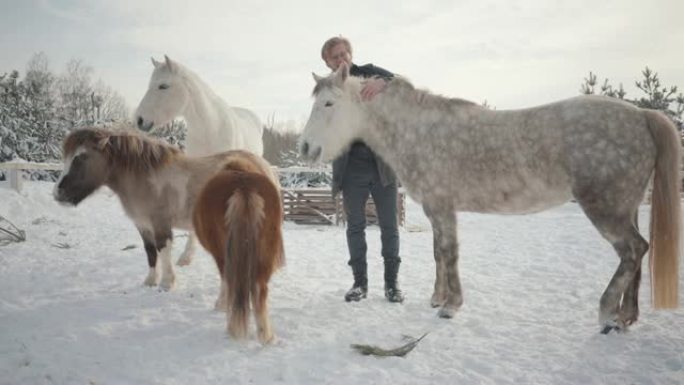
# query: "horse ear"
{"type": "Point", "coordinates": [341, 74]}
{"type": "Point", "coordinates": [155, 63]}
{"type": "Point", "coordinates": [317, 78]}
{"type": "Point", "coordinates": [170, 64]}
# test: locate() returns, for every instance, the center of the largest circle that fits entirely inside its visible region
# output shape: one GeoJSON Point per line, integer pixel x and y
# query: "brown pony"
{"type": "Point", "coordinates": [156, 184]}
{"type": "Point", "coordinates": [237, 218]}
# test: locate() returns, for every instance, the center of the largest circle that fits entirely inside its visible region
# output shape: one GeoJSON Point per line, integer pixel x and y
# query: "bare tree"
{"type": "Point", "coordinates": [280, 142]}
{"type": "Point", "coordinates": [108, 105]}
{"type": "Point", "coordinates": [74, 89]}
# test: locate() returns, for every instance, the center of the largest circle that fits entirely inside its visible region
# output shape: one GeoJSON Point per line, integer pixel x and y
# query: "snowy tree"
{"type": "Point", "coordinates": [75, 92]}
{"type": "Point", "coordinates": [280, 143]}
{"type": "Point", "coordinates": [45, 130]}
{"type": "Point", "coordinates": [175, 133]}
{"type": "Point", "coordinates": [37, 112]}
{"type": "Point", "coordinates": [40, 83]}
{"type": "Point", "coordinates": [108, 105]}
{"type": "Point", "coordinates": [15, 118]}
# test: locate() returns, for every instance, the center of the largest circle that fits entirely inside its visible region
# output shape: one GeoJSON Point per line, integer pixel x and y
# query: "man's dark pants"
{"type": "Point", "coordinates": [361, 179]}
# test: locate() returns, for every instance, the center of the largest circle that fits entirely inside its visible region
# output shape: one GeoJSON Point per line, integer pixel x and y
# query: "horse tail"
{"type": "Point", "coordinates": [243, 222]}
{"type": "Point", "coordinates": [665, 212]}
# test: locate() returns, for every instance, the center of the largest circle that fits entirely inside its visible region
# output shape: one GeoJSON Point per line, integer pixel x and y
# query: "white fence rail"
{"type": "Point", "coordinates": [14, 175]}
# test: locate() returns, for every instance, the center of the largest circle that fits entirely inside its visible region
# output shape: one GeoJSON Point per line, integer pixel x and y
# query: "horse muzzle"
{"type": "Point", "coordinates": [143, 125]}
{"type": "Point", "coordinates": [63, 198]}
{"type": "Point", "coordinates": [310, 153]}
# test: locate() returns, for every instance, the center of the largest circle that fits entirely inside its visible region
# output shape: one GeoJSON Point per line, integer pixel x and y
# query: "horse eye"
{"type": "Point", "coordinates": [328, 104]}
{"type": "Point", "coordinates": [163, 86]}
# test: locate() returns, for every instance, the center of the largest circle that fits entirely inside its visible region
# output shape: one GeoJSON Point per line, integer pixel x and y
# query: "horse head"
{"type": "Point", "coordinates": [85, 166]}
{"type": "Point", "coordinates": [94, 156]}
{"type": "Point", "coordinates": [335, 119]}
{"type": "Point", "coordinates": [166, 96]}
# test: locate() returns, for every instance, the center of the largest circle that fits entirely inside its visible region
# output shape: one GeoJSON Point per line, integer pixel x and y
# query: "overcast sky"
{"type": "Point", "coordinates": [260, 54]}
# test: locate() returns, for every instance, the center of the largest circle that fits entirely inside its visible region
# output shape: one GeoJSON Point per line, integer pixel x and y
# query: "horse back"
{"type": "Point", "coordinates": [246, 178]}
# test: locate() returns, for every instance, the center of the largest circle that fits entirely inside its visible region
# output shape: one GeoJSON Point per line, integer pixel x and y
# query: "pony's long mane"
{"type": "Point", "coordinates": [124, 149]}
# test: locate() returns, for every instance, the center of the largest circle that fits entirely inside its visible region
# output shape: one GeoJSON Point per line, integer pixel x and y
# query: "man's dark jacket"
{"type": "Point", "coordinates": [339, 165]}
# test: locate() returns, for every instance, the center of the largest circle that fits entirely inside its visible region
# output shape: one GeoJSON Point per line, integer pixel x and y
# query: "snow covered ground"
{"type": "Point", "coordinates": [73, 309]}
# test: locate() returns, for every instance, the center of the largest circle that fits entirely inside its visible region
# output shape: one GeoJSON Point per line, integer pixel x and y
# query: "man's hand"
{"type": "Point", "coordinates": [372, 87]}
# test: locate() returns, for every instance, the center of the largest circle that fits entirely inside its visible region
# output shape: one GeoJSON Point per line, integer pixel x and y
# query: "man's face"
{"type": "Point", "coordinates": [337, 55]}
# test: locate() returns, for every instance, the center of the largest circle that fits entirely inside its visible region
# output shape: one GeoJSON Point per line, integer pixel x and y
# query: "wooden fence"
{"type": "Point", "coordinates": [301, 205]}
{"type": "Point", "coordinates": [317, 206]}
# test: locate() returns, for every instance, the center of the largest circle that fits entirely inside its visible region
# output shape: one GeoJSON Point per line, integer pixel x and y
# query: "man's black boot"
{"type": "Point", "coordinates": [356, 293]}
{"type": "Point", "coordinates": [360, 288]}
{"type": "Point", "coordinates": [392, 291]}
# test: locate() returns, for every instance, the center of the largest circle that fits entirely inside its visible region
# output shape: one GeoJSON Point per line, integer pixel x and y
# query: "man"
{"type": "Point", "coordinates": [358, 173]}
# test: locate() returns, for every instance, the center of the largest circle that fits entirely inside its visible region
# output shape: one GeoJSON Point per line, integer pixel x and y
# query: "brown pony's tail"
{"type": "Point", "coordinates": [665, 212]}
{"type": "Point", "coordinates": [243, 219]}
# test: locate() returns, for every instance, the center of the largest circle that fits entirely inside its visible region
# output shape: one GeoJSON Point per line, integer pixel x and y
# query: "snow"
{"type": "Point", "coordinates": [73, 309]}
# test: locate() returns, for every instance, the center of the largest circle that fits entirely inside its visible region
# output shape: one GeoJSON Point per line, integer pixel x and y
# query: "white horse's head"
{"type": "Point", "coordinates": [336, 118]}
{"type": "Point", "coordinates": [166, 97]}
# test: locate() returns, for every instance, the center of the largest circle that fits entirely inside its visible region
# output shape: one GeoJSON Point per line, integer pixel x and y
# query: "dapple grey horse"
{"type": "Point", "coordinates": [453, 155]}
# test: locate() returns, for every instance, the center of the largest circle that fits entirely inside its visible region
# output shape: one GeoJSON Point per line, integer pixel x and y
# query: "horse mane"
{"type": "Point", "coordinates": [400, 86]}
{"type": "Point", "coordinates": [424, 98]}
{"type": "Point", "coordinates": [125, 149]}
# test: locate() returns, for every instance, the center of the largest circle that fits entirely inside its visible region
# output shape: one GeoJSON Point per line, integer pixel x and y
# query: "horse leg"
{"type": "Point", "coordinates": [222, 300]}
{"type": "Point", "coordinates": [445, 242]}
{"type": "Point", "coordinates": [189, 252]}
{"type": "Point", "coordinates": [164, 241]}
{"type": "Point", "coordinates": [260, 306]}
{"type": "Point", "coordinates": [629, 309]}
{"type": "Point", "coordinates": [630, 246]}
{"type": "Point", "coordinates": [151, 251]}
{"type": "Point", "coordinates": [631, 249]}
{"type": "Point", "coordinates": [439, 294]}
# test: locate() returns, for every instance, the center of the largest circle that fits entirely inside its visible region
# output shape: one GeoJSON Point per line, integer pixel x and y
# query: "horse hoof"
{"type": "Point", "coordinates": [445, 312]}
{"type": "Point", "coordinates": [434, 303]}
{"type": "Point", "coordinates": [619, 327]}
{"type": "Point", "coordinates": [150, 281]}
{"type": "Point", "coordinates": [183, 261]}
{"type": "Point", "coordinates": [437, 300]}
{"type": "Point", "coordinates": [167, 285]}
{"type": "Point", "coordinates": [266, 339]}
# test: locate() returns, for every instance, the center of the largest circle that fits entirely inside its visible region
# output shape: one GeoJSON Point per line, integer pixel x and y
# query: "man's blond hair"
{"type": "Point", "coordinates": [333, 41]}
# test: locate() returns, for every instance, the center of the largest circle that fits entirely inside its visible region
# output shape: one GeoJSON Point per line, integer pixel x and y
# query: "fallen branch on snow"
{"type": "Point", "coordinates": [368, 350]}
{"type": "Point", "coordinates": [10, 233]}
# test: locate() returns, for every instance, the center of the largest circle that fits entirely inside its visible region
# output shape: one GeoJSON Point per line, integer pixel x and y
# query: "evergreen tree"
{"type": "Point", "coordinates": [656, 97]}
{"type": "Point", "coordinates": [659, 97]}
{"type": "Point", "coordinates": [589, 88]}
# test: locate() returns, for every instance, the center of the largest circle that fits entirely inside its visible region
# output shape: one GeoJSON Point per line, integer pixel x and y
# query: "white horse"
{"type": "Point", "coordinates": [453, 155]}
{"type": "Point", "coordinates": [213, 126]}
